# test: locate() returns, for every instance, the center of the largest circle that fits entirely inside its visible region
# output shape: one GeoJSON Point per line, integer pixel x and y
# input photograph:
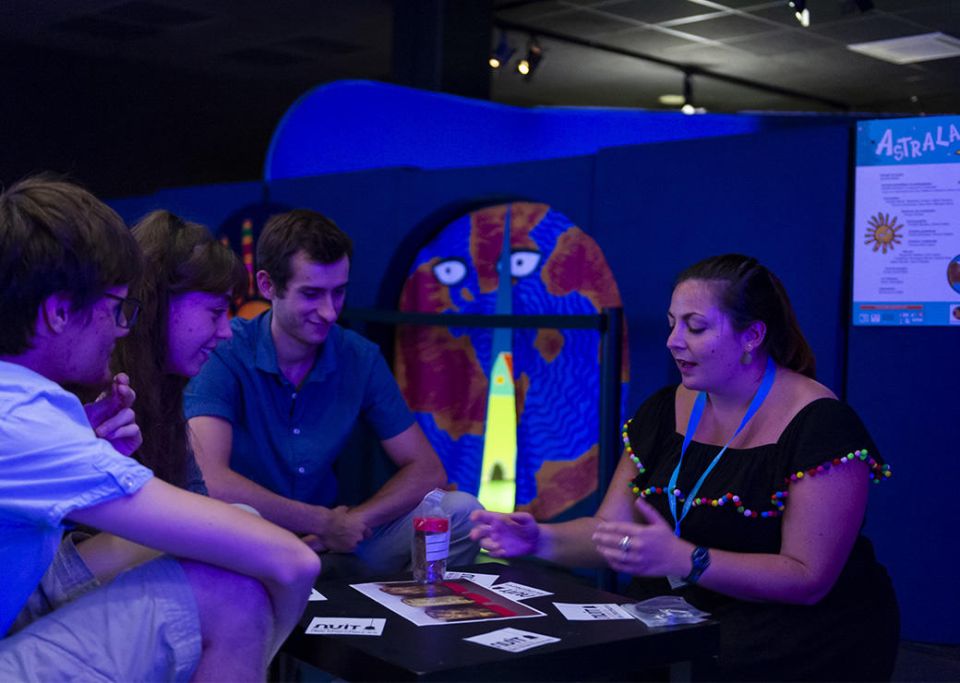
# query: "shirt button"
{"type": "Point", "coordinates": [296, 430]}
{"type": "Point", "coordinates": [301, 470]}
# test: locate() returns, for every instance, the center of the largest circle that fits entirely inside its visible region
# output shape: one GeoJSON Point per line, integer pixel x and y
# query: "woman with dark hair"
{"type": "Point", "coordinates": [185, 291]}
{"type": "Point", "coordinates": [742, 490]}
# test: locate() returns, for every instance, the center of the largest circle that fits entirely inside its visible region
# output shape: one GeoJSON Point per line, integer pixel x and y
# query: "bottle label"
{"type": "Point", "coordinates": [437, 546]}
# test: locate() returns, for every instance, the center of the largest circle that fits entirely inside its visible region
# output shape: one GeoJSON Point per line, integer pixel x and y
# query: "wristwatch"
{"type": "Point", "coordinates": [700, 558]}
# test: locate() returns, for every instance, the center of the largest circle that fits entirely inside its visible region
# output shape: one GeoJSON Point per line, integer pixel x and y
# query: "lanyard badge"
{"type": "Point", "coordinates": [765, 384]}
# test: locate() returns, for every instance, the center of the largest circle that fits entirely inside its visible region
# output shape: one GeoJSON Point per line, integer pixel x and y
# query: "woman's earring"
{"type": "Point", "coordinates": [747, 357]}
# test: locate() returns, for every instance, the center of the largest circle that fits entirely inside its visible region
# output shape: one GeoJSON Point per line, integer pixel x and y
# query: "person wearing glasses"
{"type": "Point", "coordinates": [111, 414]}
{"type": "Point", "coordinates": [231, 585]}
{"type": "Point", "coordinates": [743, 491]}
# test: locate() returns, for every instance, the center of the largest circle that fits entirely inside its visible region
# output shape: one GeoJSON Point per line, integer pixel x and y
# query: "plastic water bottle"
{"type": "Point", "coordinates": [431, 539]}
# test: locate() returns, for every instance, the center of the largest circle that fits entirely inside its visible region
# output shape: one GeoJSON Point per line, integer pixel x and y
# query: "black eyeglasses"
{"type": "Point", "coordinates": [127, 311]}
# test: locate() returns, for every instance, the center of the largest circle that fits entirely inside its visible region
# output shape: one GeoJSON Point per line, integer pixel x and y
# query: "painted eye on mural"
{"type": "Point", "coordinates": [450, 271]}
{"type": "Point", "coordinates": [523, 262]}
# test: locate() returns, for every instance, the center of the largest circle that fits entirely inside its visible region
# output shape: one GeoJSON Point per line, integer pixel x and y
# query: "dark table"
{"type": "Point", "coordinates": [587, 651]}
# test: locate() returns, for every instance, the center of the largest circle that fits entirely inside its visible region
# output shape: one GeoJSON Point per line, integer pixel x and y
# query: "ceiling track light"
{"type": "Point", "coordinates": [529, 63]}
{"type": "Point", "coordinates": [684, 101]}
{"type": "Point", "coordinates": [501, 54]}
{"type": "Point", "coordinates": [688, 106]}
{"type": "Point", "coordinates": [800, 11]}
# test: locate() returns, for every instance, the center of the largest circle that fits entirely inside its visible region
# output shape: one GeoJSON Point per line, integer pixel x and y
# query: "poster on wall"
{"type": "Point", "coordinates": [906, 222]}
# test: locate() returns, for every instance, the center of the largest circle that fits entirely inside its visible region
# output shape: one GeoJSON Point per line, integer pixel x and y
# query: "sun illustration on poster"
{"type": "Point", "coordinates": [883, 232]}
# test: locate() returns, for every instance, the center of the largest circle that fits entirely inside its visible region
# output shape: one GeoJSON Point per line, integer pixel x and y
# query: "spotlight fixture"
{"type": "Point", "coordinates": [502, 53]}
{"type": "Point", "coordinates": [800, 11]}
{"type": "Point", "coordinates": [684, 101]}
{"type": "Point", "coordinates": [688, 105]}
{"type": "Point", "coordinates": [528, 64]}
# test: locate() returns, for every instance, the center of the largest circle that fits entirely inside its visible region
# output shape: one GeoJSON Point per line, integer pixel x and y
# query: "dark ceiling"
{"type": "Point", "coordinates": [134, 95]}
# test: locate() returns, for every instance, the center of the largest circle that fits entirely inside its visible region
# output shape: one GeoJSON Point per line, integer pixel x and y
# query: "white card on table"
{"type": "Point", "coordinates": [512, 639]}
{"type": "Point", "coordinates": [518, 591]}
{"type": "Point", "coordinates": [479, 579]}
{"type": "Point", "coordinates": [592, 611]}
{"type": "Point", "coordinates": [316, 596]}
{"type": "Point", "coordinates": [345, 626]}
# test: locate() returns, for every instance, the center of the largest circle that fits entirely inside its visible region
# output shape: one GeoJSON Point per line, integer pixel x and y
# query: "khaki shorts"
{"type": "Point", "coordinates": [142, 626]}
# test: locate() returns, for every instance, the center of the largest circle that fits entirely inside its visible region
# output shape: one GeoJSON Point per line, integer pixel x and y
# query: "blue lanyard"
{"type": "Point", "coordinates": [692, 423]}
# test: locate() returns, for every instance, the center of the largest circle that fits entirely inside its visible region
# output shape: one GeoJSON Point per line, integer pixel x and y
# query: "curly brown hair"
{"type": "Point", "coordinates": [179, 256]}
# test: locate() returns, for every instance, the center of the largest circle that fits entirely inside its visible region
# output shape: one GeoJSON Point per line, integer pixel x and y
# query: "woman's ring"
{"type": "Point", "coordinates": [625, 544]}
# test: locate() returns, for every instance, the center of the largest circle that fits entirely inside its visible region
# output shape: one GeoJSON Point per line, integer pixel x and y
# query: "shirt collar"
{"type": "Point", "coordinates": [266, 351]}
{"type": "Point", "coordinates": [12, 370]}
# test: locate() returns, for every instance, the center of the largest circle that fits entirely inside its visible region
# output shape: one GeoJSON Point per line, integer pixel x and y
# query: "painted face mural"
{"type": "Point", "coordinates": [520, 405]}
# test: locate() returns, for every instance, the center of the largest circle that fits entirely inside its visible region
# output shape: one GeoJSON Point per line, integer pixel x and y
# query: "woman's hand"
{"type": "Point", "coordinates": [112, 417]}
{"type": "Point", "coordinates": [505, 535]}
{"type": "Point", "coordinates": [646, 549]}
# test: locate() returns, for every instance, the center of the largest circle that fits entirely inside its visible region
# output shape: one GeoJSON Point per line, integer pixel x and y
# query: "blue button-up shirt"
{"type": "Point", "coordinates": [287, 438]}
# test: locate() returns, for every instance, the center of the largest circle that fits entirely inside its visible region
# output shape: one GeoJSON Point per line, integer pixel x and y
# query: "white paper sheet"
{"type": "Point", "coordinates": [479, 579]}
{"type": "Point", "coordinates": [517, 591]}
{"type": "Point", "coordinates": [346, 626]}
{"type": "Point", "coordinates": [512, 639]}
{"type": "Point", "coordinates": [592, 611]}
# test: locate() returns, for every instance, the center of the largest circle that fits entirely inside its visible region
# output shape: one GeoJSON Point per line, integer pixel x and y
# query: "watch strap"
{"type": "Point", "coordinates": [700, 560]}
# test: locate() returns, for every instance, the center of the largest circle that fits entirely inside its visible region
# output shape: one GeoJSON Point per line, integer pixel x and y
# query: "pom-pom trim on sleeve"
{"type": "Point", "coordinates": [628, 449]}
{"type": "Point", "coordinates": [778, 500]}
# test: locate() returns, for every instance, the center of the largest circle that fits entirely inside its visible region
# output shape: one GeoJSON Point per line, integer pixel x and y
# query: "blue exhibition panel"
{"type": "Point", "coordinates": [903, 382]}
{"type": "Point", "coordinates": [778, 196]}
{"type": "Point", "coordinates": [209, 205]}
{"type": "Point", "coordinates": [358, 125]}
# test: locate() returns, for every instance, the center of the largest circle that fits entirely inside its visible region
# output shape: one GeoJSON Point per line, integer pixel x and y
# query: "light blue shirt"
{"type": "Point", "coordinates": [51, 463]}
{"type": "Point", "coordinates": [284, 438]}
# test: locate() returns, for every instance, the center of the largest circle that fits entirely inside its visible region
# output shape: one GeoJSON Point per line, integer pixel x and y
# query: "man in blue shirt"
{"type": "Point", "coordinates": [110, 607]}
{"type": "Point", "coordinates": [270, 412]}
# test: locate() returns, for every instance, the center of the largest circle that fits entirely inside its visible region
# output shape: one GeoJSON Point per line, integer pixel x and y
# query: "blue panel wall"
{"type": "Point", "coordinates": [780, 197]}
{"type": "Point", "coordinates": [903, 382]}
{"type": "Point", "coordinates": [359, 125]}
{"type": "Point", "coordinates": [208, 205]}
